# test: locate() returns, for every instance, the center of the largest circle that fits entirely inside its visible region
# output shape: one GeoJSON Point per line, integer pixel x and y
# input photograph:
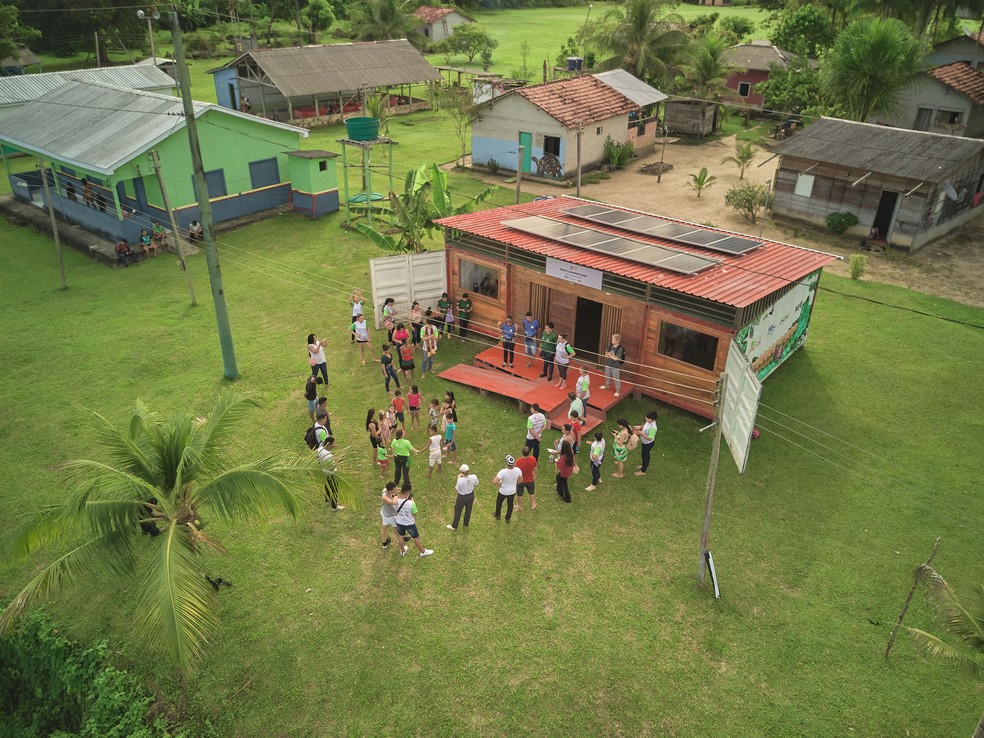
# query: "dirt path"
{"type": "Point", "coordinates": [952, 267]}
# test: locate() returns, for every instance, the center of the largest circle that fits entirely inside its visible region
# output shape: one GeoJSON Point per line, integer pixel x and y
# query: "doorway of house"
{"type": "Point", "coordinates": [885, 213]}
{"type": "Point", "coordinates": [526, 141]}
{"type": "Point", "coordinates": [233, 98]}
{"type": "Point", "coordinates": [587, 329]}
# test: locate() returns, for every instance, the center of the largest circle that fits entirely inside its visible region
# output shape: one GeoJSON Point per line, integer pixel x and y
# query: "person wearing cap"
{"type": "Point", "coordinates": [506, 480]}
{"type": "Point", "coordinates": [465, 487]}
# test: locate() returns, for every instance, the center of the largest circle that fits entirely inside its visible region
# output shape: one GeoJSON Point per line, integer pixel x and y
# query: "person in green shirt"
{"type": "Point", "coordinates": [548, 350]}
{"type": "Point", "coordinates": [401, 449]}
{"type": "Point", "coordinates": [443, 305]}
{"type": "Point", "coordinates": [464, 315]}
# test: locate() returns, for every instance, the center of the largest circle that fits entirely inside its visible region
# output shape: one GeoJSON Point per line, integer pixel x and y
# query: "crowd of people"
{"type": "Point", "coordinates": [388, 428]}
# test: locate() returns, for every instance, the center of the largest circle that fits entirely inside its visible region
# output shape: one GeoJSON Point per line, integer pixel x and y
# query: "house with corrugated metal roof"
{"type": "Point", "coordinates": [437, 24]}
{"type": "Point", "coordinates": [905, 187]}
{"type": "Point", "coordinates": [545, 120]}
{"type": "Point", "coordinates": [311, 85]}
{"type": "Point", "coordinates": [677, 293]}
{"type": "Point", "coordinates": [752, 63]}
{"type": "Point", "coordinates": [19, 89]}
{"type": "Point", "coordinates": [95, 142]}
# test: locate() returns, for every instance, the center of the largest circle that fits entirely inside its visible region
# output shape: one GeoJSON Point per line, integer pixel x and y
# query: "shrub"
{"type": "Point", "coordinates": [747, 199]}
{"type": "Point", "coordinates": [493, 166]}
{"type": "Point", "coordinates": [837, 223]}
{"type": "Point", "coordinates": [859, 263]}
{"type": "Point", "coordinates": [739, 26]}
{"type": "Point", "coordinates": [617, 154]}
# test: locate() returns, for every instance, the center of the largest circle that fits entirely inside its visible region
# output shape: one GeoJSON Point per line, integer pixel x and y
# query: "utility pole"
{"type": "Point", "coordinates": [96, 34]}
{"type": "Point", "coordinates": [211, 252]}
{"type": "Point", "coordinates": [519, 172]}
{"type": "Point", "coordinates": [54, 223]}
{"type": "Point", "coordinates": [174, 224]}
{"type": "Point", "coordinates": [580, 133]}
{"type": "Point", "coordinates": [712, 475]}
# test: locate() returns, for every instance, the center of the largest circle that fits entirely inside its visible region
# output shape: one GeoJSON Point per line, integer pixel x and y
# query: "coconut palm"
{"type": "Point", "coordinates": [380, 20]}
{"type": "Point", "coordinates": [640, 39]}
{"type": "Point", "coordinates": [870, 65]}
{"type": "Point", "coordinates": [701, 181]}
{"type": "Point", "coordinates": [743, 158]}
{"type": "Point", "coordinates": [705, 72]}
{"type": "Point", "coordinates": [963, 620]}
{"type": "Point", "coordinates": [142, 514]}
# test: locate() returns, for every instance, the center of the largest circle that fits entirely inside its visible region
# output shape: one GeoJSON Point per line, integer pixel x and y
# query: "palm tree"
{"type": "Point", "coordinates": [705, 72]}
{"type": "Point", "coordinates": [870, 65]}
{"type": "Point", "coordinates": [380, 20]}
{"type": "Point", "coordinates": [701, 181]}
{"type": "Point", "coordinates": [163, 478]}
{"type": "Point", "coordinates": [640, 39]}
{"type": "Point", "coordinates": [965, 621]}
{"type": "Point", "coordinates": [744, 155]}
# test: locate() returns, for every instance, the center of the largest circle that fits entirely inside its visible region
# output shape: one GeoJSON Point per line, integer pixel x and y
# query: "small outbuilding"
{"type": "Point", "coordinates": [95, 141]}
{"type": "Point", "coordinates": [905, 187]}
{"type": "Point", "coordinates": [312, 85]}
{"type": "Point", "coordinates": [678, 293]}
{"type": "Point", "coordinates": [544, 119]}
{"type": "Point", "coordinates": [752, 63]}
{"type": "Point", "coordinates": [437, 24]}
{"type": "Point", "coordinates": [18, 63]}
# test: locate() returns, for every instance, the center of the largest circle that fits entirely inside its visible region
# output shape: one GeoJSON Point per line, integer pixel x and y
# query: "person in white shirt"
{"type": "Point", "coordinates": [597, 456]}
{"type": "Point", "coordinates": [435, 454]}
{"type": "Point", "coordinates": [387, 511]}
{"type": "Point", "coordinates": [316, 352]}
{"type": "Point", "coordinates": [356, 301]}
{"type": "Point", "coordinates": [406, 523]}
{"type": "Point", "coordinates": [647, 438]}
{"type": "Point", "coordinates": [534, 430]}
{"type": "Point", "coordinates": [582, 388]}
{"type": "Point", "coordinates": [360, 334]}
{"type": "Point", "coordinates": [506, 480]}
{"type": "Point", "coordinates": [465, 497]}
{"type": "Point", "coordinates": [327, 460]}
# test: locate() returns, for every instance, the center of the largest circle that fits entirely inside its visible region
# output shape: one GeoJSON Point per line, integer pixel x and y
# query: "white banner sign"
{"type": "Point", "coordinates": [574, 273]}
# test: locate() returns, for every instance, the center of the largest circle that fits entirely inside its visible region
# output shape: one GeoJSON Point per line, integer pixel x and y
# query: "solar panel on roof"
{"type": "Point", "coordinates": [609, 244]}
{"type": "Point", "coordinates": [654, 225]}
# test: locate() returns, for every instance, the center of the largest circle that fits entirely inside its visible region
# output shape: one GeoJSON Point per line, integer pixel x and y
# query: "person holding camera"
{"type": "Point", "coordinates": [406, 523]}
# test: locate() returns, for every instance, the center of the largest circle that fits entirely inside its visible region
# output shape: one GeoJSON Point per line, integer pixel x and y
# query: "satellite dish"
{"type": "Point", "coordinates": [950, 192]}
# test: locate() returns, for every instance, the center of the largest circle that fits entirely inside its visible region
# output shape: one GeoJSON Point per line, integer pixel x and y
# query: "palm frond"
{"type": "Point", "coordinates": [130, 450]}
{"type": "Point", "coordinates": [939, 648]}
{"type": "Point", "coordinates": [176, 605]}
{"type": "Point", "coordinates": [111, 551]}
{"type": "Point", "coordinates": [957, 618]}
{"type": "Point", "coordinates": [34, 528]}
{"type": "Point", "coordinates": [381, 240]}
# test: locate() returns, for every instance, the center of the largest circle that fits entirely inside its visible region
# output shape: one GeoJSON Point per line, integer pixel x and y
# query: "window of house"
{"type": "Point", "coordinates": [551, 145]}
{"type": "Point", "coordinates": [923, 118]}
{"type": "Point", "coordinates": [744, 89]}
{"type": "Point", "coordinates": [598, 130]}
{"type": "Point", "coordinates": [263, 173]}
{"type": "Point", "coordinates": [478, 279]}
{"type": "Point", "coordinates": [323, 165]}
{"type": "Point", "coordinates": [804, 185]}
{"type": "Point", "coordinates": [948, 118]}
{"type": "Point", "coordinates": [685, 344]}
{"type": "Point", "coordinates": [214, 183]}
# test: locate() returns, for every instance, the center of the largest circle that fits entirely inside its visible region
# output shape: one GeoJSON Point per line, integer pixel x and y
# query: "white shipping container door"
{"type": "Point", "coordinates": [740, 405]}
{"type": "Point", "coordinates": [406, 278]}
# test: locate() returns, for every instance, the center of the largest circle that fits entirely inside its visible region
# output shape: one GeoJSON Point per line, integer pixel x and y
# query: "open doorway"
{"type": "Point", "coordinates": [885, 214]}
{"type": "Point", "coordinates": [587, 328]}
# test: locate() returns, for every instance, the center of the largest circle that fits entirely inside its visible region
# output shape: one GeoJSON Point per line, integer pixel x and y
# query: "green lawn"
{"type": "Point", "coordinates": [574, 620]}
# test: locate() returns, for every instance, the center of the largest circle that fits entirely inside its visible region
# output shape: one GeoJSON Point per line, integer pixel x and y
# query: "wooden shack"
{"type": "Point", "coordinates": [676, 292]}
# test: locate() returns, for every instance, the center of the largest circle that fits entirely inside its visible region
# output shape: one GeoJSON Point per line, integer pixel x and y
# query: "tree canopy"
{"type": "Point", "coordinates": [640, 39]}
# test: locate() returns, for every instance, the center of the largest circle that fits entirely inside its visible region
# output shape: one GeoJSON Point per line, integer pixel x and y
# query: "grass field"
{"type": "Point", "coordinates": [582, 619]}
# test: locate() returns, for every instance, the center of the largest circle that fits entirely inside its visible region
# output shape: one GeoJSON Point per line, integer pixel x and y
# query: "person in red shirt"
{"type": "Point", "coordinates": [527, 465]}
{"type": "Point", "coordinates": [565, 467]}
{"type": "Point", "coordinates": [575, 422]}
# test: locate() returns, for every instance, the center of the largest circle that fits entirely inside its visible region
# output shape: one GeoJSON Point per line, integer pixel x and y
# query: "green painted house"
{"type": "Point", "coordinates": [96, 140]}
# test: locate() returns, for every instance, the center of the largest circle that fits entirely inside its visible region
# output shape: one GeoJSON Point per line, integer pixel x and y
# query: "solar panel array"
{"type": "Point", "coordinates": [612, 245]}
{"type": "Point", "coordinates": [651, 225]}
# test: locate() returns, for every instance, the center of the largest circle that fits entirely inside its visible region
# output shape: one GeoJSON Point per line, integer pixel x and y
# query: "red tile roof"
{"type": "Point", "coordinates": [738, 281]}
{"type": "Point", "coordinates": [963, 78]}
{"type": "Point", "coordinates": [427, 14]}
{"type": "Point", "coordinates": [577, 100]}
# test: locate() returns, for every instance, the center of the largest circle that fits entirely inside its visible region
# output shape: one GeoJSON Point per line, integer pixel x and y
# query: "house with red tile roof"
{"type": "Point", "coordinates": [545, 120]}
{"type": "Point", "coordinates": [436, 24]}
{"type": "Point", "coordinates": [948, 99]}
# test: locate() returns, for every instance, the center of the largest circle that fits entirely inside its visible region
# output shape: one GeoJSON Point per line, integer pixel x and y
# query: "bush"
{"type": "Point", "coordinates": [617, 154]}
{"type": "Point", "coordinates": [838, 223]}
{"type": "Point", "coordinates": [739, 26]}
{"type": "Point", "coordinates": [49, 685]}
{"type": "Point", "coordinates": [493, 166]}
{"type": "Point", "coordinates": [859, 263]}
{"type": "Point", "coordinates": [747, 199]}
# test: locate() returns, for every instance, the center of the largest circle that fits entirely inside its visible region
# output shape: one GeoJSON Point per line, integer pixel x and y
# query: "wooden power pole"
{"type": "Point", "coordinates": [174, 224]}
{"type": "Point", "coordinates": [712, 476]}
{"type": "Point", "coordinates": [211, 252]}
{"type": "Point", "coordinates": [54, 223]}
{"type": "Point", "coordinates": [519, 172]}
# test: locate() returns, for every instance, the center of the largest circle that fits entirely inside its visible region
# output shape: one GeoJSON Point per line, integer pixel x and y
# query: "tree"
{"type": "Point", "coordinates": [12, 31]}
{"type": "Point", "coordinates": [870, 65]}
{"type": "Point", "coordinates": [380, 20]}
{"type": "Point", "coordinates": [701, 181]}
{"type": "Point", "coordinates": [426, 198]}
{"type": "Point", "coordinates": [163, 478]}
{"type": "Point", "coordinates": [640, 39]}
{"type": "Point", "coordinates": [458, 105]}
{"type": "Point", "coordinates": [747, 199]}
{"type": "Point", "coordinates": [744, 155]}
{"type": "Point", "coordinates": [805, 31]}
{"type": "Point", "coordinates": [68, 25]}
{"type": "Point", "coordinates": [319, 17]}
{"type": "Point", "coordinates": [471, 40]}
{"type": "Point", "coordinates": [737, 27]}
{"type": "Point", "coordinates": [963, 620]}
{"type": "Point", "coordinates": [705, 72]}
{"type": "Point", "coordinates": [792, 88]}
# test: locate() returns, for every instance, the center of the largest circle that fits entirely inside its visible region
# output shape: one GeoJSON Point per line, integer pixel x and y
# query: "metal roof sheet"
{"type": "Point", "coordinates": [738, 281]}
{"type": "Point", "coordinates": [101, 127]}
{"type": "Point", "coordinates": [897, 152]}
{"type": "Point", "coordinates": [19, 89]}
{"type": "Point", "coordinates": [327, 70]}
{"type": "Point", "coordinates": [631, 86]}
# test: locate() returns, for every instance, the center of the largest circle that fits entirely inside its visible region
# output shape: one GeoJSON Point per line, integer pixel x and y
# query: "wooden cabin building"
{"type": "Point", "coordinates": [677, 299]}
